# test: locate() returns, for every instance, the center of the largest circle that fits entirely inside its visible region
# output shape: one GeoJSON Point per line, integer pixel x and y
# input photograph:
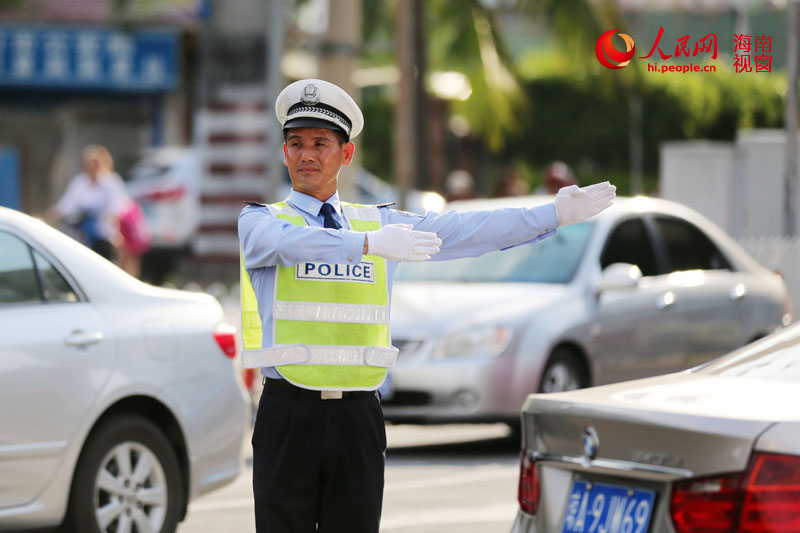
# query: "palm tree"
{"type": "Point", "coordinates": [465, 35]}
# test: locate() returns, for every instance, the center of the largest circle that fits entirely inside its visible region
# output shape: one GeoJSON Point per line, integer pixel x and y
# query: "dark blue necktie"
{"type": "Point", "coordinates": [327, 217]}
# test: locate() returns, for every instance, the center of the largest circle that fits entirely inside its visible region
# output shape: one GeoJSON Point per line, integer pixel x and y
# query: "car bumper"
{"type": "Point", "coordinates": [524, 523]}
{"type": "Point", "coordinates": [217, 424]}
{"type": "Point", "coordinates": [452, 391]}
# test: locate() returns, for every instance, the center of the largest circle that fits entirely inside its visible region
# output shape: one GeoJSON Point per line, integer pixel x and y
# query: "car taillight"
{"type": "Point", "coordinates": [226, 338]}
{"type": "Point", "coordinates": [764, 499]}
{"type": "Point", "coordinates": [706, 504]}
{"type": "Point", "coordinates": [164, 195]}
{"type": "Point", "coordinates": [528, 494]}
{"type": "Point", "coordinates": [772, 499]}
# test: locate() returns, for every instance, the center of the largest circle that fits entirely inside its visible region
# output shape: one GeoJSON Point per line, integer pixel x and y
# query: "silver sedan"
{"type": "Point", "coordinates": [119, 401]}
{"type": "Point", "coordinates": [647, 287]}
{"type": "Point", "coordinates": [712, 449]}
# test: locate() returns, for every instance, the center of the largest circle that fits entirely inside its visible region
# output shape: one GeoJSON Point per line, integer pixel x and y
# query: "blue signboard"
{"type": "Point", "coordinates": [88, 58]}
{"type": "Point", "coordinates": [9, 178]}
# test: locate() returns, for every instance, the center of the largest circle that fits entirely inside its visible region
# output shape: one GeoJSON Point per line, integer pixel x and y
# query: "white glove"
{"type": "Point", "coordinates": [399, 242]}
{"type": "Point", "coordinates": [574, 204]}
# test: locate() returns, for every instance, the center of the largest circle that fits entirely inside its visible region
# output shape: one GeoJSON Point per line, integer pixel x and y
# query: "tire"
{"type": "Point", "coordinates": [564, 371]}
{"type": "Point", "coordinates": [104, 498]}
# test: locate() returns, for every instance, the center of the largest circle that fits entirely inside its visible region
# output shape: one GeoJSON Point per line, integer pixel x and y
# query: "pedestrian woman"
{"type": "Point", "coordinates": [93, 201]}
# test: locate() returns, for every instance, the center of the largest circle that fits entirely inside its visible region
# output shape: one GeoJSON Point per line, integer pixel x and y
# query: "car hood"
{"type": "Point", "coordinates": [426, 307]}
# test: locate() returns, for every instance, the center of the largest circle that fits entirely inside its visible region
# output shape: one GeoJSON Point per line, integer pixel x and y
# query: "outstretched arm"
{"type": "Point", "coordinates": [473, 233]}
{"type": "Point", "coordinates": [269, 241]}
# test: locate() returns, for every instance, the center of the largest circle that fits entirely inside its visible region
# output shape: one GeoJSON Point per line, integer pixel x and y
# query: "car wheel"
{"type": "Point", "coordinates": [564, 371]}
{"type": "Point", "coordinates": [127, 480]}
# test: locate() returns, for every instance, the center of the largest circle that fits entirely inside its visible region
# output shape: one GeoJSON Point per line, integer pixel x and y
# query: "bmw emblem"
{"type": "Point", "coordinates": [590, 443]}
{"type": "Point", "coordinates": [310, 94]}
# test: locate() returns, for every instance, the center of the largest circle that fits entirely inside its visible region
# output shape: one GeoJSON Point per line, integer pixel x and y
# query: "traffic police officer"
{"type": "Point", "coordinates": [316, 289]}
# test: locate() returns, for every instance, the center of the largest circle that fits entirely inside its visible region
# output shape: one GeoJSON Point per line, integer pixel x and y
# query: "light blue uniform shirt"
{"type": "Point", "coordinates": [268, 242]}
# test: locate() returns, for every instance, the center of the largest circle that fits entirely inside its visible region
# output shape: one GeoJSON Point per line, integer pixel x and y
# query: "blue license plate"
{"type": "Point", "coordinates": [602, 508]}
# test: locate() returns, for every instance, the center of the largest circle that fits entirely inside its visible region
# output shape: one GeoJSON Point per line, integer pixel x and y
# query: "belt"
{"type": "Point", "coordinates": [283, 385]}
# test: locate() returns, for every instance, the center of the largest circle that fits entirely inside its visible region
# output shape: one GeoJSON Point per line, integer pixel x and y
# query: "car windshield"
{"type": "Point", "coordinates": [552, 260]}
{"type": "Point", "coordinates": [778, 360]}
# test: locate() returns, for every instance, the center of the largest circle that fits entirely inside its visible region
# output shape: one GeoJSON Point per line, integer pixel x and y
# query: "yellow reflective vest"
{"type": "Point", "coordinates": [330, 320]}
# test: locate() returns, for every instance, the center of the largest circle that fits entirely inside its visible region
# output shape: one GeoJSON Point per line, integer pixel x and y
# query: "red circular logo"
{"type": "Point", "coordinates": [608, 55]}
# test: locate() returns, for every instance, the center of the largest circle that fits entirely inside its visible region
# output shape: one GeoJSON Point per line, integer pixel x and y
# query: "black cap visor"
{"type": "Point", "coordinates": [310, 122]}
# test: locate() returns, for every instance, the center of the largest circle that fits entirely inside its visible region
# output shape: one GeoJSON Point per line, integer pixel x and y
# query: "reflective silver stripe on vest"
{"type": "Point", "coordinates": [322, 312]}
{"type": "Point", "coordinates": [297, 354]}
{"type": "Point", "coordinates": [361, 213]}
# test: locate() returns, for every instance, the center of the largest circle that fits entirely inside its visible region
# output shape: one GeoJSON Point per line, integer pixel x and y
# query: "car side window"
{"type": "Point", "coordinates": [55, 287]}
{"type": "Point", "coordinates": [18, 281]}
{"type": "Point", "coordinates": [688, 248]}
{"type": "Point", "coordinates": [629, 243]}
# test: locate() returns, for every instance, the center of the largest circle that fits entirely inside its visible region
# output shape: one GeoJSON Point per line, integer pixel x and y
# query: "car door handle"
{"type": "Point", "coordinates": [80, 338]}
{"type": "Point", "coordinates": [666, 300]}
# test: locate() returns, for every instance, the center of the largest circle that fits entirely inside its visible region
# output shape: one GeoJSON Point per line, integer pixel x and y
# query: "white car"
{"type": "Point", "coordinates": [713, 449]}
{"type": "Point", "coordinates": [119, 401]}
{"type": "Point", "coordinates": [166, 183]}
{"type": "Point", "coordinates": [644, 288]}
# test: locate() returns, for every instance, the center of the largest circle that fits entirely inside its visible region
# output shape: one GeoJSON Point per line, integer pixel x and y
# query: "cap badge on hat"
{"type": "Point", "coordinates": [310, 94]}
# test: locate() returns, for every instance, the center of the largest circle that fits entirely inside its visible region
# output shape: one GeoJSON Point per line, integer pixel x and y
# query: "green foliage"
{"type": "Point", "coordinates": [374, 16]}
{"type": "Point", "coordinates": [469, 42]}
{"type": "Point", "coordinates": [375, 143]}
{"type": "Point", "coordinates": [562, 104]}
{"type": "Point", "coordinates": [578, 117]}
{"type": "Point", "coordinates": [715, 105]}
{"type": "Point", "coordinates": [11, 4]}
{"type": "Point", "coordinates": [461, 36]}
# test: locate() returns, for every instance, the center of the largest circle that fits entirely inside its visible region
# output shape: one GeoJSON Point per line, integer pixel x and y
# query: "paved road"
{"type": "Point", "coordinates": [439, 479]}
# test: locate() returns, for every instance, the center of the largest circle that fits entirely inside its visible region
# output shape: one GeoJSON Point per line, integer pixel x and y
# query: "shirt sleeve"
{"type": "Point", "coordinates": [67, 205]}
{"type": "Point", "coordinates": [474, 233]}
{"type": "Point", "coordinates": [118, 195]}
{"type": "Point", "coordinates": [269, 241]}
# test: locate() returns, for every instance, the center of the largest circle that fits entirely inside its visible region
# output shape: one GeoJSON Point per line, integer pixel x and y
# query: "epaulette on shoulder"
{"type": "Point", "coordinates": [386, 204]}
{"type": "Point", "coordinates": [255, 204]}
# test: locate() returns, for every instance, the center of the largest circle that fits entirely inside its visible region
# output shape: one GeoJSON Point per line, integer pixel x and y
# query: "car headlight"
{"type": "Point", "coordinates": [486, 342]}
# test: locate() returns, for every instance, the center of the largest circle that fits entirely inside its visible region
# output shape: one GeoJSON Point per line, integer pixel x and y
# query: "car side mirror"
{"type": "Point", "coordinates": [618, 276]}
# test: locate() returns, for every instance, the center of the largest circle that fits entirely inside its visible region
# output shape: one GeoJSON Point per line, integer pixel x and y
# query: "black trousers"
{"type": "Point", "coordinates": [318, 464]}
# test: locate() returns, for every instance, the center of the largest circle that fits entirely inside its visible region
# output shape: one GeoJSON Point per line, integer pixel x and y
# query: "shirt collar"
{"type": "Point", "coordinates": [311, 205]}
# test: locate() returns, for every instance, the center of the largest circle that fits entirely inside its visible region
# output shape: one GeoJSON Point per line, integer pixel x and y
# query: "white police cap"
{"type": "Point", "coordinates": [318, 104]}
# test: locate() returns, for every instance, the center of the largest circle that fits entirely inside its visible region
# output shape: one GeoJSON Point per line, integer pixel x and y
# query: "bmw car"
{"type": "Point", "coordinates": [646, 287]}
{"type": "Point", "coordinates": [119, 401]}
{"type": "Point", "coordinates": [712, 449]}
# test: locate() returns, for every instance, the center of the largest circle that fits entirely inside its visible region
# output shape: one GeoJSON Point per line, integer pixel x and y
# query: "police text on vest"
{"type": "Point", "coordinates": [363, 272]}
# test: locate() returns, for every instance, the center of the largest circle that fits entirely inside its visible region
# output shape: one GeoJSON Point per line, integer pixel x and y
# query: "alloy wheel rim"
{"type": "Point", "coordinates": [560, 377]}
{"type": "Point", "coordinates": [130, 490]}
